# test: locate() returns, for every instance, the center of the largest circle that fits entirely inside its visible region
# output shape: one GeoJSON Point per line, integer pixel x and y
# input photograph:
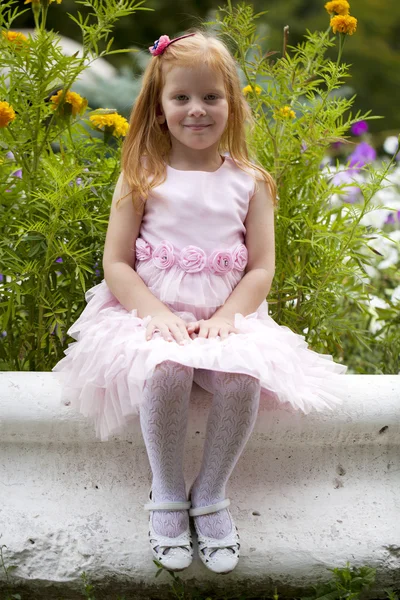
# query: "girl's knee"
{"type": "Point", "coordinates": [242, 383]}
{"type": "Point", "coordinates": [170, 370]}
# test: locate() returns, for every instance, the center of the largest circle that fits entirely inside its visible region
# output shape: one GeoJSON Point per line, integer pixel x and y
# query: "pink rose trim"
{"type": "Point", "coordinates": [220, 261]}
{"type": "Point", "coordinates": [192, 259]}
{"type": "Point", "coordinates": [163, 255]}
{"type": "Point", "coordinates": [143, 249]}
{"type": "Point", "coordinates": [159, 45]}
{"type": "Point", "coordinates": [240, 257]}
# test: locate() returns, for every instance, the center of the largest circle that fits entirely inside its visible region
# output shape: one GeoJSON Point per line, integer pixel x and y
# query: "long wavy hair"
{"type": "Point", "coordinates": [147, 143]}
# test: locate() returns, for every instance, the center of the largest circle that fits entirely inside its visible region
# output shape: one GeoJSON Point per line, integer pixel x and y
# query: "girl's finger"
{"type": "Point", "coordinates": [203, 332]}
{"type": "Point", "coordinates": [184, 332]}
{"type": "Point", "coordinates": [213, 332]}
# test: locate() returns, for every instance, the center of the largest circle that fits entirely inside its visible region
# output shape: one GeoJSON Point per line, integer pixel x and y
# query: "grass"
{"type": "Point", "coordinates": [347, 583]}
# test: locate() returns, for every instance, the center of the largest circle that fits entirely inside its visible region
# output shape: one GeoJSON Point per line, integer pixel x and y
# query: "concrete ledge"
{"type": "Point", "coordinates": [309, 493]}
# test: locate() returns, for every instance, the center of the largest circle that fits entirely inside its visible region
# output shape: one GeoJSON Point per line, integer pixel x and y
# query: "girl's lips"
{"type": "Point", "coordinates": [197, 126]}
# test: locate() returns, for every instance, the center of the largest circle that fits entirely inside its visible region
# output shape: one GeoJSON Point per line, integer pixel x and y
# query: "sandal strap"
{"type": "Point", "coordinates": [211, 508]}
{"type": "Point", "coordinates": [167, 506]}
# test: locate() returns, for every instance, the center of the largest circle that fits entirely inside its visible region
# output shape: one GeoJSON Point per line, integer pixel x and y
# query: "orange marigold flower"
{"type": "Point", "coordinates": [38, 1]}
{"type": "Point", "coordinates": [344, 24]}
{"type": "Point", "coordinates": [7, 114]}
{"type": "Point", "coordinates": [15, 36]}
{"type": "Point", "coordinates": [110, 122]}
{"type": "Point", "coordinates": [340, 7]}
{"type": "Point", "coordinates": [73, 103]}
{"type": "Point", "coordinates": [286, 112]}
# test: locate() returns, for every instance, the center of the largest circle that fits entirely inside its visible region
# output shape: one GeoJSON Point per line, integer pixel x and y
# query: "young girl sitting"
{"type": "Point", "coordinates": [188, 262]}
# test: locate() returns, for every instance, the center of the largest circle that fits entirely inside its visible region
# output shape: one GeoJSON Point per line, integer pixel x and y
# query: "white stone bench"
{"type": "Point", "coordinates": [309, 493]}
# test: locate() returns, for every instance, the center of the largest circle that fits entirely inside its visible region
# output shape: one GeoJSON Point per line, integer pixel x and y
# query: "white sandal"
{"type": "Point", "coordinates": [220, 556]}
{"type": "Point", "coordinates": [175, 554]}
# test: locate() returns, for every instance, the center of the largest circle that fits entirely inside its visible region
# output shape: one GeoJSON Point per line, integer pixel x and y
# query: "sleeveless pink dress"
{"type": "Point", "coordinates": [191, 254]}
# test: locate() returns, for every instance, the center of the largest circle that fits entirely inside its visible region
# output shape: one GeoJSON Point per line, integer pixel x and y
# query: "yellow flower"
{"type": "Point", "coordinates": [340, 7]}
{"type": "Point", "coordinates": [112, 122]}
{"type": "Point", "coordinates": [73, 103]}
{"type": "Point", "coordinates": [344, 24]}
{"type": "Point", "coordinates": [15, 36]}
{"type": "Point", "coordinates": [249, 89]}
{"type": "Point", "coordinates": [38, 1]}
{"type": "Point", "coordinates": [286, 112]}
{"type": "Point", "coordinates": [7, 114]}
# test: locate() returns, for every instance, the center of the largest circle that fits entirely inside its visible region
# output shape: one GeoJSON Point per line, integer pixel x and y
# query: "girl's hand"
{"type": "Point", "coordinates": [170, 326]}
{"type": "Point", "coordinates": [212, 327]}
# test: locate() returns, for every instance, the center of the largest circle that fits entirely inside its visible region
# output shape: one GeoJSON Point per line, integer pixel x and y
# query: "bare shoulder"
{"type": "Point", "coordinates": [123, 226]}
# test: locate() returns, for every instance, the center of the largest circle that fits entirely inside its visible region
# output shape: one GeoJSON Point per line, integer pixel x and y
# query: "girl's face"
{"type": "Point", "coordinates": [194, 106]}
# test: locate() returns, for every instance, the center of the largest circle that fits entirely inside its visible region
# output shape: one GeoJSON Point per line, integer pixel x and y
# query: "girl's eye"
{"type": "Point", "coordinates": [181, 97]}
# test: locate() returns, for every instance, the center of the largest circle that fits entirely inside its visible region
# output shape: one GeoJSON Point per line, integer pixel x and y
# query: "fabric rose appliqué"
{"type": "Point", "coordinates": [163, 255]}
{"type": "Point", "coordinates": [192, 259]}
{"type": "Point", "coordinates": [143, 249]}
{"type": "Point", "coordinates": [220, 261]}
{"type": "Point", "coordinates": [240, 257]}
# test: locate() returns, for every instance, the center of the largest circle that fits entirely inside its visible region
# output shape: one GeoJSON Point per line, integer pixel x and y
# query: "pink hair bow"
{"type": "Point", "coordinates": [163, 42]}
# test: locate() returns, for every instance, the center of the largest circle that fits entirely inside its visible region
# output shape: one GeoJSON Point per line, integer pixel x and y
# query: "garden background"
{"type": "Point", "coordinates": [315, 94]}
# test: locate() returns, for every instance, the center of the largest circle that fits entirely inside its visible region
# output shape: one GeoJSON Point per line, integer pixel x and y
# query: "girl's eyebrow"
{"type": "Point", "coordinates": [211, 90]}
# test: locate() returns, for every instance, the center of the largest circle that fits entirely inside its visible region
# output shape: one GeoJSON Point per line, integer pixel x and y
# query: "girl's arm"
{"type": "Point", "coordinates": [254, 287]}
{"type": "Point", "coordinates": [119, 257]}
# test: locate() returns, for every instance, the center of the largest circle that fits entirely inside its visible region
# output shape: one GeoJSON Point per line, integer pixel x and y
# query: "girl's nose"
{"type": "Point", "coordinates": [197, 110]}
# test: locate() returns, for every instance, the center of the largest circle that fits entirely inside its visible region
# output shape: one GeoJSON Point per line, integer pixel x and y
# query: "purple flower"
{"type": "Point", "coordinates": [392, 218]}
{"type": "Point", "coordinates": [1, 277]}
{"type": "Point", "coordinates": [78, 181]}
{"type": "Point", "coordinates": [10, 155]}
{"type": "Point", "coordinates": [359, 128]}
{"type": "Point", "coordinates": [3, 334]}
{"type": "Point", "coordinates": [303, 146]}
{"type": "Point", "coordinates": [17, 173]}
{"type": "Point", "coordinates": [59, 260]}
{"type": "Point", "coordinates": [337, 145]}
{"type": "Point", "coordinates": [97, 272]}
{"type": "Point", "coordinates": [363, 154]}
{"type": "Point", "coordinates": [341, 178]}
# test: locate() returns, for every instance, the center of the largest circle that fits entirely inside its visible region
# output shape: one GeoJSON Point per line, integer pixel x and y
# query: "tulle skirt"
{"type": "Point", "coordinates": [104, 371]}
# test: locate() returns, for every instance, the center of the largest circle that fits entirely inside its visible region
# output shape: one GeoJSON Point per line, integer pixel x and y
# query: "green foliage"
{"type": "Point", "coordinates": [321, 250]}
{"type": "Point", "coordinates": [58, 210]}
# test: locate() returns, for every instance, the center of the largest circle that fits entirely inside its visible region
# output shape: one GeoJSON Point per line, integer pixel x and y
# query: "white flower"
{"type": "Point", "coordinates": [390, 144]}
{"type": "Point", "coordinates": [396, 294]}
{"type": "Point", "coordinates": [375, 323]}
{"type": "Point", "coordinates": [376, 217]}
{"type": "Point", "coordinates": [387, 248]}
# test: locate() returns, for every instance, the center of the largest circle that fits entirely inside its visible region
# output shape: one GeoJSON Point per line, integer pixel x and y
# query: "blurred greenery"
{"type": "Point", "coordinates": [373, 51]}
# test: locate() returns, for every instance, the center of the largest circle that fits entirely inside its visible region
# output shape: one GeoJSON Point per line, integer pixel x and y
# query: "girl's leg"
{"type": "Point", "coordinates": [231, 420]}
{"type": "Point", "coordinates": [163, 419]}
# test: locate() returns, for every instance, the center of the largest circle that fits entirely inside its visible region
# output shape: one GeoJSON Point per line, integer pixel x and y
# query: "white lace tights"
{"type": "Point", "coordinates": [163, 418]}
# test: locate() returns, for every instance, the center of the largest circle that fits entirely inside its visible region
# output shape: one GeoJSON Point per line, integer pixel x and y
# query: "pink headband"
{"type": "Point", "coordinates": [163, 42]}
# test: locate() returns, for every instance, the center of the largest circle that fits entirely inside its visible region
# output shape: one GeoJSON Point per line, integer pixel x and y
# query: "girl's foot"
{"type": "Point", "coordinates": [219, 554]}
{"type": "Point", "coordinates": [174, 552]}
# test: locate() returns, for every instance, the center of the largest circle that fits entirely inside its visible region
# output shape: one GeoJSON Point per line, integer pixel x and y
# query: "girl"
{"type": "Point", "coordinates": [188, 262]}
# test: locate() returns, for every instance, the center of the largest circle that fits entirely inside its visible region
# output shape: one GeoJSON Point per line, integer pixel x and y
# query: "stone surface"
{"type": "Point", "coordinates": [309, 493]}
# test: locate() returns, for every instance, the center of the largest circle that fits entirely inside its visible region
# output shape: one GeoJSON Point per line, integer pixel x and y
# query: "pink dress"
{"type": "Point", "coordinates": [190, 253]}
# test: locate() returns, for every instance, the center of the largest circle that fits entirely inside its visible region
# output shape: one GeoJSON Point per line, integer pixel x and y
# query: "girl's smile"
{"type": "Point", "coordinates": [195, 108]}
